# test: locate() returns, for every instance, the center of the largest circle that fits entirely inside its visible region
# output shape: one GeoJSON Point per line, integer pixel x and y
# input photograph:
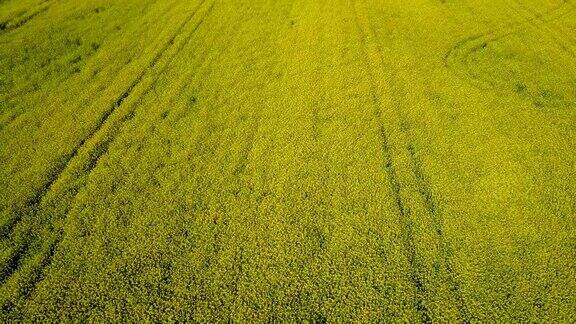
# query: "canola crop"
{"type": "Point", "coordinates": [288, 160]}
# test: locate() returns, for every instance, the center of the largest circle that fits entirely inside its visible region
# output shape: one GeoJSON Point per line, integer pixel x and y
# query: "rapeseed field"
{"type": "Point", "coordinates": [288, 161]}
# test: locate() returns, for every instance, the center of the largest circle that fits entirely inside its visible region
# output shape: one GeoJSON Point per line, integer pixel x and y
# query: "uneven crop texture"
{"type": "Point", "coordinates": [288, 160]}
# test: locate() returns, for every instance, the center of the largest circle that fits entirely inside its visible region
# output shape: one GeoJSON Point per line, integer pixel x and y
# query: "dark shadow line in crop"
{"type": "Point", "coordinates": [8, 227]}
{"type": "Point", "coordinates": [39, 272]}
{"type": "Point", "coordinates": [460, 51]}
{"type": "Point", "coordinates": [538, 22]}
{"type": "Point", "coordinates": [407, 229]}
{"type": "Point", "coordinates": [36, 275]}
{"type": "Point", "coordinates": [7, 26]}
{"type": "Point", "coordinates": [13, 262]}
{"type": "Point", "coordinates": [245, 153]}
{"type": "Point", "coordinates": [438, 222]}
{"type": "Point", "coordinates": [102, 148]}
{"type": "Point", "coordinates": [404, 212]}
{"type": "Point", "coordinates": [33, 203]}
{"type": "Point", "coordinates": [25, 90]}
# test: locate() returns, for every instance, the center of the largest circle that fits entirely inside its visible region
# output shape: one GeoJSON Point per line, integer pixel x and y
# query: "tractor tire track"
{"type": "Point", "coordinates": [9, 266]}
{"type": "Point", "coordinates": [13, 94]}
{"type": "Point", "coordinates": [55, 174]}
{"type": "Point", "coordinates": [364, 29]}
{"type": "Point", "coordinates": [407, 225]}
{"type": "Point", "coordinates": [21, 91]}
{"type": "Point", "coordinates": [456, 59]}
{"type": "Point", "coordinates": [536, 20]}
{"type": "Point", "coordinates": [15, 23]}
{"type": "Point", "coordinates": [400, 158]}
{"type": "Point", "coordinates": [38, 272]}
{"type": "Point", "coordinates": [438, 222]}
{"type": "Point", "coordinates": [101, 148]}
{"type": "Point", "coordinates": [245, 153]}
{"type": "Point", "coordinates": [33, 273]}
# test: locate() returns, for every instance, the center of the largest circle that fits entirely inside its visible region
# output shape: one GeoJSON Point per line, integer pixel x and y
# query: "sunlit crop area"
{"type": "Point", "coordinates": [288, 160]}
